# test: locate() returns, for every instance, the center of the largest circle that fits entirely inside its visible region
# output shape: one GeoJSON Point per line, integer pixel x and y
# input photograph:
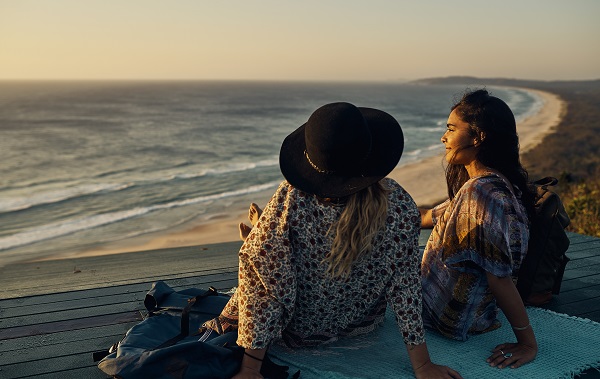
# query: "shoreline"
{"type": "Point", "coordinates": [424, 180]}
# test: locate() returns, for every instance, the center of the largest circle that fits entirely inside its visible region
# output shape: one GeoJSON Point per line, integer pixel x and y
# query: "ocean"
{"type": "Point", "coordinates": [88, 163]}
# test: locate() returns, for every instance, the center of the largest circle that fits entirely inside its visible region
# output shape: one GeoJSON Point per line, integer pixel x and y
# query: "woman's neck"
{"type": "Point", "coordinates": [476, 168]}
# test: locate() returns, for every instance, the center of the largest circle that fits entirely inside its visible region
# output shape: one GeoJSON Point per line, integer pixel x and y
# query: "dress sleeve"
{"type": "Point", "coordinates": [481, 229]}
{"type": "Point", "coordinates": [267, 282]}
{"type": "Point", "coordinates": [404, 294]}
{"type": "Point", "coordinates": [438, 211]}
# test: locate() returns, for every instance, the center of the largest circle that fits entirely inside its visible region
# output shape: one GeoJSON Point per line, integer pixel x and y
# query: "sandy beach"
{"type": "Point", "coordinates": [423, 180]}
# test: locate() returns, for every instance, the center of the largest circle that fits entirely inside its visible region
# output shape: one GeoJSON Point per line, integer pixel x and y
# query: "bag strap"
{"type": "Point", "coordinates": [100, 354]}
{"type": "Point", "coordinates": [185, 318]}
{"type": "Point", "coordinates": [547, 181]}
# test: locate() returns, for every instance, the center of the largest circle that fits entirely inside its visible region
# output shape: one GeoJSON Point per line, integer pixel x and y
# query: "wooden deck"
{"type": "Point", "coordinates": [55, 314]}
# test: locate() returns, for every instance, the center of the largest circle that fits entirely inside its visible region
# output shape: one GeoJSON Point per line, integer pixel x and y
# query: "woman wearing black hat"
{"type": "Point", "coordinates": [480, 234]}
{"type": "Point", "coordinates": [336, 244]}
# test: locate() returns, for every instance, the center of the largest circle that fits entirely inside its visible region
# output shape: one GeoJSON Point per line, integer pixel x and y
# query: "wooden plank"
{"type": "Point", "coordinates": [56, 366]}
{"type": "Point", "coordinates": [91, 372]}
{"type": "Point", "coordinates": [590, 245]}
{"type": "Point", "coordinates": [143, 260]}
{"type": "Point", "coordinates": [22, 279]}
{"type": "Point", "coordinates": [150, 278]}
{"type": "Point", "coordinates": [68, 305]}
{"type": "Point", "coordinates": [576, 238]}
{"type": "Point", "coordinates": [75, 308]}
{"type": "Point", "coordinates": [33, 343]}
{"type": "Point", "coordinates": [48, 351]}
{"type": "Point", "coordinates": [583, 272]}
{"type": "Point", "coordinates": [74, 318]}
{"type": "Point", "coordinates": [577, 284]}
{"type": "Point", "coordinates": [65, 315]}
{"type": "Point", "coordinates": [580, 294]}
{"type": "Point", "coordinates": [37, 326]}
{"type": "Point", "coordinates": [577, 294]}
{"type": "Point", "coordinates": [74, 299]}
{"type": "Point", "coordinates": [89, 280]}
{"type": "Point", "coordinates": [583, 253]}
{"type": "Point", "coordinates": [584, 264]}
{"type": "Point", "coordinates": [579, 308]}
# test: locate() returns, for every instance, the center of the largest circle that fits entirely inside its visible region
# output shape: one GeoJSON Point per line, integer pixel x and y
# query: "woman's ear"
{"type": "Point", "coordinates": [478, 140]}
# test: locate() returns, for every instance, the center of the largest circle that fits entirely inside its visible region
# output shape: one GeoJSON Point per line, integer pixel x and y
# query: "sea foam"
{"type": "Point", "coordinates": [77, 224]}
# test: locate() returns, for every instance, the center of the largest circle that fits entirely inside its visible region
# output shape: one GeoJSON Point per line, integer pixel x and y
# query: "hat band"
{"type": "Point", "coordinates": [320, 170]}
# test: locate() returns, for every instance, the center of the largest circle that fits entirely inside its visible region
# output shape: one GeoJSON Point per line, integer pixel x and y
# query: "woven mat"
{"type": "Point", "coordinates": [567, 346]}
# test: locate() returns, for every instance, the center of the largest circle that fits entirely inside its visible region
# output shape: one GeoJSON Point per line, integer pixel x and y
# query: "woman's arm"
{"type": "Point", "coordinates": [508, 299]}
{"type": "Point", "coordinates": [424, 368]}
{"type": "Point", "coordinates": [429, 214]}
{"type": "Point", "coordinates": [405, 298]}
{"type": "Point", "coordinates": [262, 284]}
{"type": "Point", "coordinates": [426, 218]}
{"type": "Point", "coordinates": [251, 364]}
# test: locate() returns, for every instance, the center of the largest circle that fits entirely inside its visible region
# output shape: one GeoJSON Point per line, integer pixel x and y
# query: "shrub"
{"type": "Point", "coordinates": [582, 203]}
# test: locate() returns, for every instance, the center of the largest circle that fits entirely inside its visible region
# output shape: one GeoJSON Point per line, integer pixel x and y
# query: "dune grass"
{"type": "Point", "coordinates": [582, 203]}
{"type": "Point", "coordinates": [572, 154]}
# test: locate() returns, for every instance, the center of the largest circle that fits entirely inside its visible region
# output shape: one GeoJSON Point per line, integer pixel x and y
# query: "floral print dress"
{"type": "Point", "coordinates": [483, 229]}
{"type": "Point", "coordinates": [285, 292]}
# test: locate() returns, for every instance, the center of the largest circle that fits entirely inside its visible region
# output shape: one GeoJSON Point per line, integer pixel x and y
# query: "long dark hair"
{"type": "Point", "coordinates": [499, 150]}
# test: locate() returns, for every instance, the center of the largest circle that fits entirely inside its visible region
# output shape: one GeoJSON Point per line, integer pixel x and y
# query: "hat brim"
{"type": "Point", "coordinates": [387, 144]}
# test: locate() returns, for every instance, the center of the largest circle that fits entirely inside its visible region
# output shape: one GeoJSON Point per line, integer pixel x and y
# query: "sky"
{"type": "Point", "coordinates": [306, 40]}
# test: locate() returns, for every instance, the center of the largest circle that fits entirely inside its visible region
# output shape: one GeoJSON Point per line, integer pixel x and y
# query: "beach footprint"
{"type": "Point", "coordinates": [254, 213]}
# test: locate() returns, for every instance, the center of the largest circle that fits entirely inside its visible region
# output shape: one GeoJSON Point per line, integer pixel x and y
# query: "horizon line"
{"type": "Point", "coordinates": [397, 80]}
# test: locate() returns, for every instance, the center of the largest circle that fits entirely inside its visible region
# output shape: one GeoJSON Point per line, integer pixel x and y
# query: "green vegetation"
{"type": "Point", "coordinates": [571, 154]}
{"type": "Point", "coordinates": [582, 203]}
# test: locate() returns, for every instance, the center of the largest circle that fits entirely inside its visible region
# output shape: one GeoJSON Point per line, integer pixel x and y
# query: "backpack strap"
{"type": "Point", "coordinates": [185, 318]}
{"type": "Point", "coordinates": [100, 354]}
{"type": "Point", "coordinates": [545, 182]}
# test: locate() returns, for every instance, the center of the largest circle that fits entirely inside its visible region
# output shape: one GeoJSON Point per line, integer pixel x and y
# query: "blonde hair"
{"type": "Point", "coordinates": [363, 217]}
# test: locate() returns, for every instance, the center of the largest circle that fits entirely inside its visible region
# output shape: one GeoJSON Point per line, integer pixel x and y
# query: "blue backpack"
{"type": "Point", "coordinates": [171, 343]}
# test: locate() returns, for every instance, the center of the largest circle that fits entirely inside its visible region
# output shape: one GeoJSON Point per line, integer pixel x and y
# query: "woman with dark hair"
{"type": "Point", "coordinates": [336, 244]}
{"type": "Point", "coordinates": [480, 233]}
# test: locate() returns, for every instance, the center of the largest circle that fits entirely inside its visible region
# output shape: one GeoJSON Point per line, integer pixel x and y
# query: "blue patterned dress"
{"type": "Point", "coordinates": [483, 229]}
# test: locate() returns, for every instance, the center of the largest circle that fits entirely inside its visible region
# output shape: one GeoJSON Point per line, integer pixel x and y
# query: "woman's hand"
{"type": "Point", "coordinates": [512, 354]}
{"type": "Point", "coordinates": [432, 371]}
{"type": "Point", "coordinates": [508, 299]}
{"type": "Point", "coordinates": [247, 373]}
{"type": "Point", "coordinates": [251, 364]}
{"type": "Point", "coordinates": [424, 368]}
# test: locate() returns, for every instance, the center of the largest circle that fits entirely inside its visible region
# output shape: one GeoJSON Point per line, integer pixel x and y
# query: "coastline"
{"type": "Point", "coordinates": [424, 180]}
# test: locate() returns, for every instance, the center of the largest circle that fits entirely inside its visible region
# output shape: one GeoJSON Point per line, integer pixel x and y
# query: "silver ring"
{"type": "Point", "coordinates": [501, 352]}
{"type": "Point", "coordinates": [508, 355]}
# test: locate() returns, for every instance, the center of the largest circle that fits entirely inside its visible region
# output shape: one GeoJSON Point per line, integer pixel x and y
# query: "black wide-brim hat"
{"type": "Point", "coordinates": [341, 150]}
